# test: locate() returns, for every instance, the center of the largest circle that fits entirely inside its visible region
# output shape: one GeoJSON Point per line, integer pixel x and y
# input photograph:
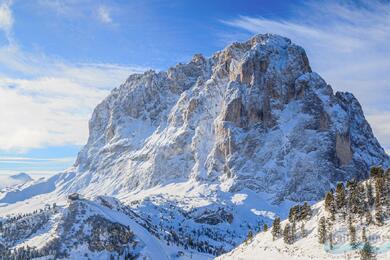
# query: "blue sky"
{"type": "Point", "coordinates": [58, 59]}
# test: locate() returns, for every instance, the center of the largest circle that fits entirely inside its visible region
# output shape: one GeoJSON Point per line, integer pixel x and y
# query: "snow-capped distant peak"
{"type": "Point", "coordinates": [9, 181]}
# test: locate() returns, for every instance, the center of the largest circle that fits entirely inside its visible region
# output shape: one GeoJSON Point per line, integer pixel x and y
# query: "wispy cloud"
{"type": "Point", "coordinates": [52, 107]}
{"type": "Point", "coordinates": [34, 159]}
{"type": "Point", "coordinates": [47, 101]}
{"type": "Point", "coordinates": [347, 43]}
{"type": "Point", "coordinates": [6, 18]}
{"type": "Point", "coordinates": [104, 14]}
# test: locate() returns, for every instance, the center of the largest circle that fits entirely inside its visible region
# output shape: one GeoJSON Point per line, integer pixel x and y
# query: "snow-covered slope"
{"type": "Point", "coordinates": [207, 150]}
{"type": "Point", "coordinates": [306, 245]}
{"type": "Point", "coordinates": [84, 229]}
{"type": "Point", "coordinates": [9, 181]}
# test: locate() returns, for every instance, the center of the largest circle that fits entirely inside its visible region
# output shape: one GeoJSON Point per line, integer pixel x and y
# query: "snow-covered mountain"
{"type": "Point", "coordinates": [349, 231]}
{"type": "Point", "coordinates": [10, 181]}
{"type": "Point", "coordinates": [208, 150]}
{"type": "Point", "coordinates": [252, 116]}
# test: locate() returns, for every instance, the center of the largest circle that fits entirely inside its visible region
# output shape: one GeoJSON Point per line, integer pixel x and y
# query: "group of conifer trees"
{"type": "Point", "coordinates": [366, 202]}
{"type": "Point", "coordinates": [297, 216]}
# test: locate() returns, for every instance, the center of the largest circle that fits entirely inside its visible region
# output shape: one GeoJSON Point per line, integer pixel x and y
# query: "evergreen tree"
{"type": "Point", "coordinates": [379, 216]}
{"type": "Point", "coordinates": [367, 252]}
{"type": "Point", "coordinates": [303, 231]}
{"type": "Point", "coordinates": [293, 231]}
{"type": "Point", "coordinates": [376, 172]}
{"type": "Point", "coordinates": [265, 228]}
{"type": "Point", "coordinates": [329, 232]}
{"type": "Point", "coordinates": [329, 204]}
{"type": "Point", "coordinates": [387, 179]}
{"type": "Point", "coordinates": [352, 235]}
{"type": "Point", "coordinates": [340, 196]}
{"type": "Point", "coordinates": [369, 194]}
{"type": "Point", "coordinates": [293, 213]}
{"type": "Point", "coordinates": [249, 237]}
{"type": "Point", "coordinates": [379, 192]}
{"type": "Point", "coordinates": [368, 218]}
{"type": "Point", "coordinates": [276, 229]}
{"type": "Point", "coordinates": [287, 234]}
{"type": "Point", "coordinates": [361, 206]}
{"type": "Point", "coordinates": [353, 197]}
{"type": "Point", "coordinates": [330, 235]}
{"type": "Point", "coordinates": [364, 236]}
{"type": "Point", "coordinates": [321, 230]}
{"type": "Point", "coordinates": [306, 211]}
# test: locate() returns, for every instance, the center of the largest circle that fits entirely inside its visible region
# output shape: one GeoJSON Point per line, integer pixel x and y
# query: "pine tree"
{"type": "Point", "coordinates": [368, 218]}
{"type": "Point", "coordinates": [265, 228]}
{"type": "Point", "coordinates": [340, 196]}
{"type": "Point", "coordinates": [376, 172]}
{"type": "Point", "coordinates": [276, 229]}
{"type": "Point", "coordinates": [379, 192]}
{"type": "Point", "coordinates": [329, 204]}
{"type": "Point", "coordinates": [293, 231]}
{"type": "Point", "coordinates": [369, 193]}
{"type": "Point", "coordinates": [303, 231]}
{"type": "Point", "coordinates": [355, 199]}
{"type": "Point", "coordinates": [293, 213]}
{"type": "Point", "coordinates": [379, 216]}
{"type": "Point", "coordinates": [321, 230]}
{"type": "Point", "coordinates": [306, 211]}
{"type": "Point", "coordinates": [362, 206]}
{"type": "Point", "coordinates": [352, 235]}
{"type": "Point", "coordinates": [287, 234]}
{"type": "Point", "coordinates": [364, 236]}
{"type": "Point", "coordinates": [387, 178]}
{"type": "Point", "coordinates": [330, 240]}
{"type": "Point", "coordinates": [249, 237]}
{"type": "Point", "coordinates": [367, 252]}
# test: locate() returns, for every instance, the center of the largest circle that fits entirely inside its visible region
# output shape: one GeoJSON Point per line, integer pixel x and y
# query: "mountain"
{"type": "Point", "coordinates": [9, 181]}
{"type": "Point", "coordinates": [305, 245]}
{"type": "Point", "coordinates": [252, 116]}
{"type": "Point", "coordinates": [205, 151]}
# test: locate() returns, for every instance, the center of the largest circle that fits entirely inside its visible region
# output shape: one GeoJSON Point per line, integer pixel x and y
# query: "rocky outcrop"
{"type": "Point", "coordinates": [343, 148]}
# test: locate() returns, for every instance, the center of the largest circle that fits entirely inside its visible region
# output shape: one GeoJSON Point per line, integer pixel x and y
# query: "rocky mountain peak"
{"type": "Point", "coordinates": [253, 116]}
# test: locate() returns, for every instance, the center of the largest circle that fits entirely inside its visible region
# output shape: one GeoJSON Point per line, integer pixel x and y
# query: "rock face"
{"type": "Point", "coordinates": [254, 115]}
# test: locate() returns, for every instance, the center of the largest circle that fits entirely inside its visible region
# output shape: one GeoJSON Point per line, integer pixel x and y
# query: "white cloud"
{"type": "Point", "coordinates": [347, 43]}
{"type": "Point", "coordinates": [6, 18]}
{"type": "Point", "coordinates": [46, 101]}
{"type": "Point", "coordinates": [54, 109]}
{"type": "Point", "coordinates": [104, 14]}
{"type": "Point", "coordinates": [381, 121]}
{"type": "Point", "coordinates": [33, 159]}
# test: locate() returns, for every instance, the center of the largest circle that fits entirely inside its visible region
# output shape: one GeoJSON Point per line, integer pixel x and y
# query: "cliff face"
{"type": "Point", "coordinates": [253, 116]}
